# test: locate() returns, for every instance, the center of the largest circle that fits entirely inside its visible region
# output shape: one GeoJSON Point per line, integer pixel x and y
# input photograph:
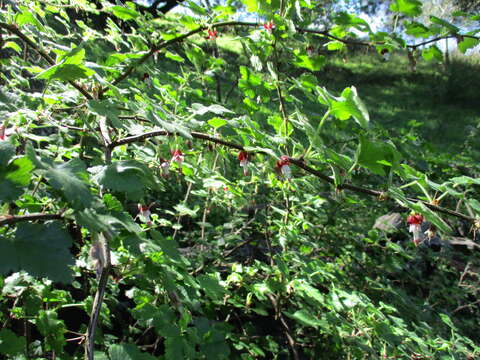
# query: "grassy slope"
{"type": "Point", "coordinates": [441, 103]}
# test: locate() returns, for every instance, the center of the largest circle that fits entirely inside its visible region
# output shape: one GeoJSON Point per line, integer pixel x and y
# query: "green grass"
{"type": "Point", "coordinates": [441, 103]}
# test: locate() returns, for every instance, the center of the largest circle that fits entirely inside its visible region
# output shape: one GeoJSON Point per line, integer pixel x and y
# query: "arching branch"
{"type": "Point", "coordinates": [297, 162]}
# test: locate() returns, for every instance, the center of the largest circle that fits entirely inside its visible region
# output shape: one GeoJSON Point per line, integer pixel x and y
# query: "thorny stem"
{"type": "Point", "coordinates": [207, 202]}
{"type": "Point", "coordinates": [297, 162]}
{"type": "Point", "coordinates": [97, 302]}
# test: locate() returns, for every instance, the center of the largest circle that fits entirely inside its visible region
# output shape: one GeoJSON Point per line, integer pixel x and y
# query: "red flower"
{"type": "Point", "coordinates": [144, 213]}
{"type": "Point", "coordinates": [177, 156]}
{"type": "Point", "coordinates": [415, 219]}
{"type": "Point", "coordinates": [212, 34]}
{"type": "Point", "coordinates": [283, 167]}
{"type": "Point", "coordinates": [268, 25]}
{"type": "Point", "coordinates": [4, 132]}
{"type": "Point", "coordinates": [243, 158]}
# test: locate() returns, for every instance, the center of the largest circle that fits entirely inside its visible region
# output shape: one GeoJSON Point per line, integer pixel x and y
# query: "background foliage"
{"type": "Point", "coordinates": [122, 180]}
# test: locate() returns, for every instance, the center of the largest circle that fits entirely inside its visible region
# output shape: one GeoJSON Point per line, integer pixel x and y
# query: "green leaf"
{"type": "Point", "coordinates": [199, 109]}
{"type": "Point", "coordinates": [350, 105]}
{"type": "Point", "coordinates": [450, 27]}
{"type": "Point", "coordinates": [335, 45]}
{"type": "Point", "coordinates": [170, 126]}
{"type": "Point", "coordinates": [129, 176]}
{"type": "Point", "coordinates": [168, 246]}
{"type": "Point", "coordinates": [13, 45]}
{"type": "Point", "coordinates": [407, 7]}
{"type": "Point", "coordinates": [7, 151]}
{"type": "Point", "coordinates": [211, 286]}
{"type": "Point", "coordinates": [52, 329]}
{"type": "Point", "coordinates": [26, 16]}
{"type": "Point", "coordinates": [306, 290]}
{"type": "Point", "coordinates": [217, 122]}
{"type": "Point", "coordinates": [306, 318]}
{"type": "Point", "coordinates": [66, 72]}
{"type": "Point", "coordinates": [467, 43]}
{"type": "Point", "coordinates": [313, 63]}
{"type": "Point", "coordinates": [446, 319]}
{"type": "Point", "coordinates": [69, 178]}
{"type": "Point", "coordinates": [42, 250]}
{"type": "Point", "coordinates": [378, 157]}
{"type": "Point", "coordinates": [174, 57]}
{"type": "Point", "coordinates": [417, 29]}
{"type": "Point", "coordinates": [123, 12]}
{"type": "Point", "coordinates": [97, 221]}
{"type": "Point", "coordinates": [251, 5]}
{"type": "Point", "coordinates": [14, 178]}
{"type": "Point", "coordinates": [279, 125]}
{"type": "Point", "coordinates": [107, 108]}
{"type": "Point", "coordinates": [432, 52]}
{"type": "Point", "coordinates": [348, 20]}
{"type": "Point", "coordinates": [69, 68]}
{"type": "Point", "coordinates": [196, 8]}
{"type": "Point", "coordinates": [465, 180]}
{"type": "Point", "coordinates": [127, 352]}
{"type": "Point", "coordinates": [11, 344]}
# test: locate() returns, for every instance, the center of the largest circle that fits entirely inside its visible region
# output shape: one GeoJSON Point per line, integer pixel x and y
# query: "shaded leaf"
{"type": "Point", "coordinates": [42, 250]}
{"type": "Point", "coordinates": [14, 178]}
{"type": "Point", "coordinates": [127, 352]}
{"type": "Point", "coordinates": [11, 344]}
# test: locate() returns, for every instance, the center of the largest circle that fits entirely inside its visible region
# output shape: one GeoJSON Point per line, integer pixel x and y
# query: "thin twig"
{"type": "Point", "coordinates": [207, 203]}
{"type": "Point", "coordinates": [11, 219]}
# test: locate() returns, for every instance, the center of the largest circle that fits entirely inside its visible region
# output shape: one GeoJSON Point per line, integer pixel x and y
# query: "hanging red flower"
{"type": "Point", "coordinates": [283, 167]}
{"type": "Point", "coordinates": [243, 158]}
{"type": "Point", "coordinates": [212, 34]}
{"type": "Point", "coordinates": [415, 227]}
{"type": "Point", "coordinates": [177, 156]}
{"type": "Point", "coordinates": [268, 25]}
{"type": "Point", "coordinates": [144, 213]}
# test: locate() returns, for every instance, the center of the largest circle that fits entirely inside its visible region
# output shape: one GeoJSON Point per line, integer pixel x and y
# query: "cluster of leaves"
{"type": "Point", "coordinates": [219, 263]}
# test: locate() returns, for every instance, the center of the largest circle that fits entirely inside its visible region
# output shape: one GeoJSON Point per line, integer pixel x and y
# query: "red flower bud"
{"type": "Point", "coordinates": [177, 156]}
{"type": "Point", "coordinates": [144, 213]}
{"type": "Point", "coordinates": [243, 158]}
{"type": "Point", "coordinates": [242, 155]}
{"type": "Point", "coordinates": [283, 167]}
{"type": "Point", "coordinates": [268, 25]}
{"type": "Point", "coordinates": [415, 219]}
{"type": "Point", "coordinates": [212, 34]}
